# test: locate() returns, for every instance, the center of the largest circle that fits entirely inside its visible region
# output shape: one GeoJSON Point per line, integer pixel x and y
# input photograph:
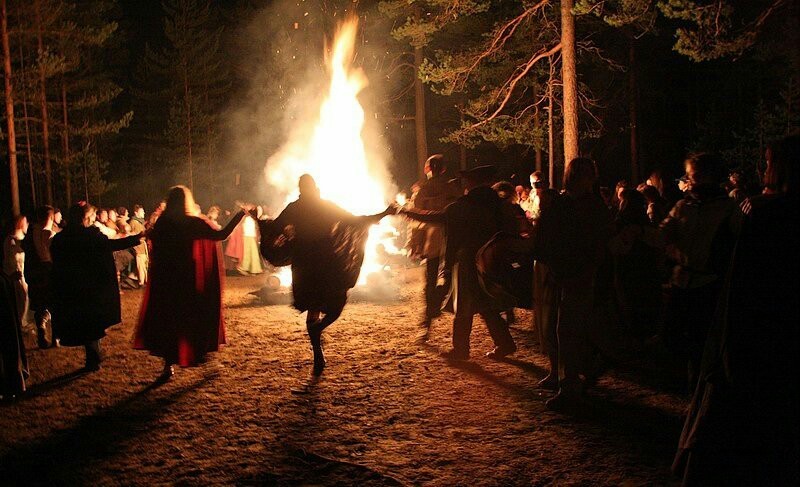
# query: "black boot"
{"type": "Point", "coordinates": [315, 336]}
{"type": "Point", "coordinates": [41, 318]}
{"type": "Point", "coordinates": [92, 356]}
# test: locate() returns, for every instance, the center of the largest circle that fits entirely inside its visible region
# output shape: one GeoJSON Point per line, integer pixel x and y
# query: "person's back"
{"type": "Point", "coordinates": [313, 219]}
{"type": "Point", "coordinates": [473, 220]}
{"type": "Point", "coordinates": [172, 237]}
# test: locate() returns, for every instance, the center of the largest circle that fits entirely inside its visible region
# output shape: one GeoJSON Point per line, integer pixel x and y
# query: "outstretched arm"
{"type": "Point", "coordinates": [207, 232]}
{"type": "Point", "coordinates": [435, 217]}
{"type": "Point", "coordinates": [115, 244]}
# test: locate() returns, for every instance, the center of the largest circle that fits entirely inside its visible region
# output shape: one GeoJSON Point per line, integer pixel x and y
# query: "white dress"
{"type": "Point", "coordinates": [14, 266]}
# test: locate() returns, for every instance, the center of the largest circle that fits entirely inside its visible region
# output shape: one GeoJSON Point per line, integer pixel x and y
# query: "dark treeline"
{"type": "Point", "coordinates": [114, 100]}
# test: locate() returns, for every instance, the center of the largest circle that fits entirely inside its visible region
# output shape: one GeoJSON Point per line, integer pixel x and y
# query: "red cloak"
{"type": "Point", "coordinates": [181, 315]}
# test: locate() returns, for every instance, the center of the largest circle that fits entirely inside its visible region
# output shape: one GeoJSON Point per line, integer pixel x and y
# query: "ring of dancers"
{"type": "Point", "coordinates": [325, 245]}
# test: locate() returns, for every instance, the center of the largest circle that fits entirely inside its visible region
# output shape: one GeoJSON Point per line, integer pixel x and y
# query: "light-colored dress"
{"type": "Point", "coordinates": [14, 267]}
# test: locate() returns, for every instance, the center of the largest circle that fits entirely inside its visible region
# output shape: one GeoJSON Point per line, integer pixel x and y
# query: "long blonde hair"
{"type": "Point", "coordinates": [180, 202]}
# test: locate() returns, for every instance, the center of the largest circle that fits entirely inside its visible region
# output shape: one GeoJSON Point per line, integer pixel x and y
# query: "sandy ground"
{"type": "Point", "coordinates": [387, 411]}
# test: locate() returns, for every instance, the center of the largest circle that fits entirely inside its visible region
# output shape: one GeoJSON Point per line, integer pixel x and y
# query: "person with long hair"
{"type": "Point", "coordinates": [571, 240]}
{"type": "Point", "coordinates": [85, 289]}
{"type": "Point", "coordinates": [181, 315]}
{"type": "Point", "coordinates": [14, 262]}
{"type": "Point", "coordinates": [13, 305]}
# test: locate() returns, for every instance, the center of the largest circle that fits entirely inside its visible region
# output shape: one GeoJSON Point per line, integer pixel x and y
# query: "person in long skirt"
{"type": "Point", "coordinates": [327, 249]}
{"type": "Point", "coordinates": [181, 315]}
{"type": "Point", "coordinates": [14, 263]}
{"type": "Point", "coordinates": [85, 298]}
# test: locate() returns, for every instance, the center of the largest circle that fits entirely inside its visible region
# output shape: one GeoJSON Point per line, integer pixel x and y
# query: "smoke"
{"type": "Point", "coordinates": [282, 52]}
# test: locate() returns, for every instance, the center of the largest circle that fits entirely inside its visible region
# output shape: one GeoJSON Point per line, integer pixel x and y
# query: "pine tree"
{"type": "Point", "coordinates": [9, 98]}
{"type": "Point", "coordinates": [188, 75]}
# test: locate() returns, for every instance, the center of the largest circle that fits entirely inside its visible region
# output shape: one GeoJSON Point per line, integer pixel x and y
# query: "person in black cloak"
{"type": "Point", "coordinates": [325, 246]}
{"type": "Point", "coordinates": [742, 424]}
{"type": "Point", "coordinates": [85, 298]}
{"type": "Point", "coordinates": [470, 222]}
{"type": "Point", "coordinates": [13, 361]}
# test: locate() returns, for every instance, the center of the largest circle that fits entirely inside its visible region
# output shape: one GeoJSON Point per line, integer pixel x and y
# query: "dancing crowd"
{"type": "Point", "coordinates": [703, 266]}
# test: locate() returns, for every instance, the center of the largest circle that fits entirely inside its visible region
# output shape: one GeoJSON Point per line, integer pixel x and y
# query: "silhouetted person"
{"type": "Point", "coordinates": [181, 317]}
{"type": "Point", "coordinates": [39, 264]}
{"type": "Point", "coordinates": [469, 224]}
{"type": "Point", "coordinates": [85, 288]}
{"type": "Point", "coordinates": [742, 426]}
{"type": "Point", "coordinates": [326, 250]}
{"type": "Point", "coordinates": [699, 236]}
{"type": "Point", "coordinates": [571, 240]}
{"type": "Point", "coordinates": [434, 194]}
{"type": "Point", "coordinates": [637, 255]}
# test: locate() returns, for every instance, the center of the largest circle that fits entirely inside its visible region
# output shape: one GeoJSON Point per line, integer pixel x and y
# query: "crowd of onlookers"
{"type": "Point", "coordinates": [704, 265]}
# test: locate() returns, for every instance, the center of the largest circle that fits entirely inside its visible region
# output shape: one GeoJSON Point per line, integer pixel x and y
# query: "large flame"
{"type": "Point", "coordinates": [333, 152]}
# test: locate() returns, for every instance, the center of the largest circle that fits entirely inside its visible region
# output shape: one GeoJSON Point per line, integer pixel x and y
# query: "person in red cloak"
{"type": "Point", "coordinates": [181, 315]}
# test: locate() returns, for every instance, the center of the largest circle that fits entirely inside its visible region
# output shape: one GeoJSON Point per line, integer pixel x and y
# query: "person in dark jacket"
{"type": "Point", "coordinates": [434, 194]}
{"type": "Point", "coordinates": [699, 234]}
{"type": "Point", "coordinates": [38, 266]}
{"type": "Point", "coordinates": [571, 239]}
{"type": "Point", "coordinates": [469, 224]}
{"type": "Point", "coordinates": [327, 250]}
{"type": "Point", "coordinates": [742, 424]}
{"type": "Point", "coordinates": [13, 361]}
{"type": "Point", "coordinates": [85, 288]}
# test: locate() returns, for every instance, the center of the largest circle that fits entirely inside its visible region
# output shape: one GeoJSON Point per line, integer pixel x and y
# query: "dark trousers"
{"type": "Point", "coordinates": [545, 313]}
{"type": "Point", "coordinates": [433, 292]}
{"type": "Point", "coordinates": [471, 300]}
{"type": "Point", "coordinates": [92, 352]}
{"type": "Point", "coordinates": [462, 326]}
{"type": "Point", "coordinates": [688, 318]}
{"type": "Point", "coordinates": [574, 319]}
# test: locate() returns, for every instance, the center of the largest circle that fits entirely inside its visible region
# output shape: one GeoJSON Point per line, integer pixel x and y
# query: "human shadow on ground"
{"type": "Point", "coordinates": [51, 385]}
{"type": "Point", "coordinates": [293, 463]}
{"type": "Point", "coordinates": [644, 431]}
{"type": "Point", "coordinates": [62, 457]}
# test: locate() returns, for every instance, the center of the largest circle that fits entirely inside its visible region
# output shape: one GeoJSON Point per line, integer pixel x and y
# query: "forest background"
{"type": "Point", "coordinates": [113, 101]}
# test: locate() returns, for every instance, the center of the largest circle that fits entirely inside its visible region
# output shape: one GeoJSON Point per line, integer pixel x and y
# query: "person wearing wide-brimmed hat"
{"type": "Point", "coordinates": [469, 223]}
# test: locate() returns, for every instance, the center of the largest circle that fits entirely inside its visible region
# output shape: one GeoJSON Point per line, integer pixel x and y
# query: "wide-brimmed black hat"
{"type": "Point", "coordinates": [480, 172]}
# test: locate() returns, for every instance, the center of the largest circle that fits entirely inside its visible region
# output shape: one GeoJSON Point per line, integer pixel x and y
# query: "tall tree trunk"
{"type": "Point", "coordinates": [28, 150]}
{"type": "Point", "coordinates": [48, 173]}
{"type": "Point", "coordinates": [633, 111]}
{"type": "Point", "coordinates": [462, 149]}
{"type": "Point", "coordinates": [65, 143]}
{"type": "Point", "coordinates": [211, 153]}
{"type": "Point", "coordinates": [188, 108]}
{"type": "Point", "coordinates": [537, 127]}
{"type": "Point", "coordinates": [420, 124]}
{"type": "Point", "coordinates": [11, 134]}
{"type": "Point", "coordinates": [569, 79]}
{"type": "Point", "coordinates": [551, 158]}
